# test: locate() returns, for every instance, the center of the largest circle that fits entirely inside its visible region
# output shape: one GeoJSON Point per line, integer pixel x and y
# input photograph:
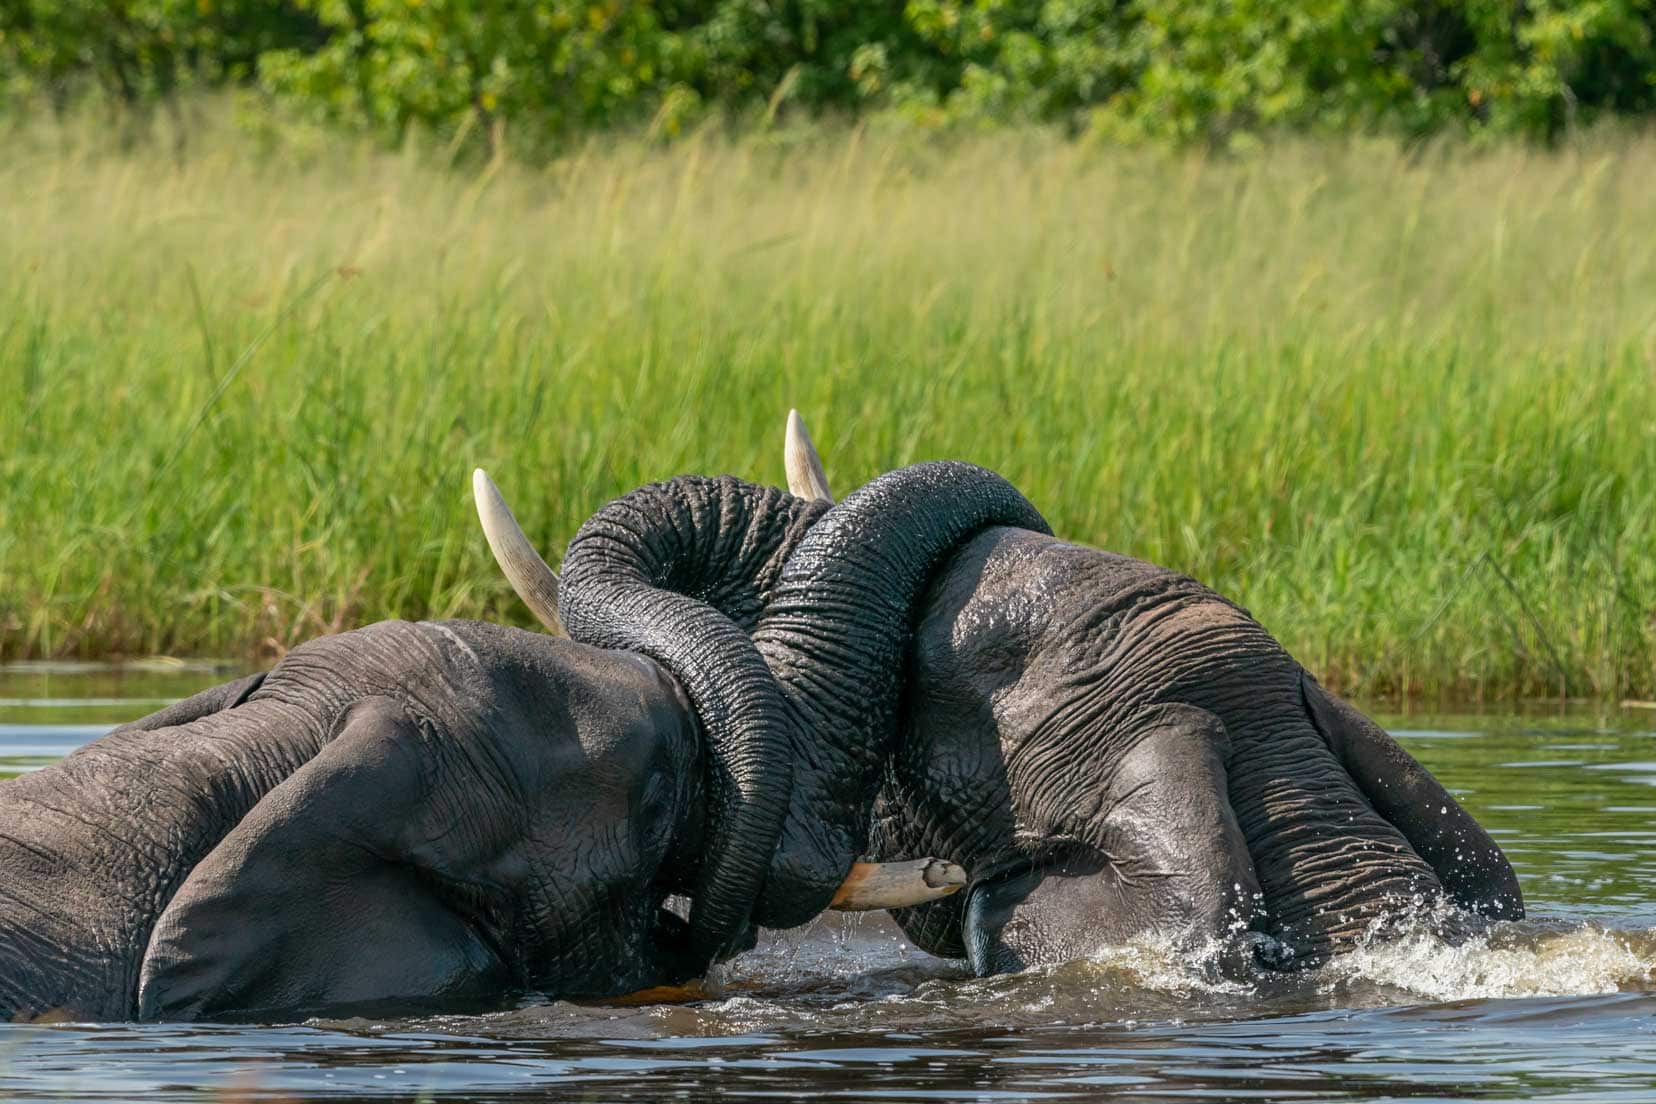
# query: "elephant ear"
{"type": "Point", "coordinates": [321, 898]}
{"type": "Point", "coordinates": [215, 699]}
{"type": "Point", "coordinates": [1465, 858]}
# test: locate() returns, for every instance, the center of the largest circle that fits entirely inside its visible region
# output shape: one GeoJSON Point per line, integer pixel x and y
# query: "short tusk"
{"type": "Point", "coordinates": [806, 479]}
{"type": "Point", "coordinates": [523, 567]}
{"type": "Point", "coordinates": [897, 884]}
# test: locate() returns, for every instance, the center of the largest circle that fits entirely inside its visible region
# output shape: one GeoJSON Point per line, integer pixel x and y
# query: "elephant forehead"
{"type": "Point", "coordinates": [1010, 600]}
{"type": "Point", "coordinates": [520, 714]}
{"type": "Point", "coordinates": [1106, 636]}
{"type": "Point", "coordinates": [1191, 620]}
{"type": "Point", "coordinates": [989, 598]}
{"type": "Point", "coordinates": [591, 725]}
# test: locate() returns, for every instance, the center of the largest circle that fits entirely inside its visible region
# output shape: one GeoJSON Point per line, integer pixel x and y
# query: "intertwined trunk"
{"type": "Point", "coordinates": [679, 571]}
{"type": "Point", "coordinates": [799, 718]}
{"type": "Point", "coordinates": [836, 632]}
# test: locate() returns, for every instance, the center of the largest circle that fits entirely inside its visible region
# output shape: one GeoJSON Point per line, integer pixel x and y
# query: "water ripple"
{"type": "Point", "coordinates": [1562, 1005]}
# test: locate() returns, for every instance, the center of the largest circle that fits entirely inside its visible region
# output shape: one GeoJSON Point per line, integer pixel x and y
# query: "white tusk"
{"type": "Point", "coordinates": [806, 479]}
{"type": "Point", "coordinates": [523, 567]}
{"type": "Point", "coordinates": [896, 884]}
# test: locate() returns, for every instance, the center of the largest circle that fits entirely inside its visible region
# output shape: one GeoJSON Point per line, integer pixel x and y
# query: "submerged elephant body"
{"type": "Point", "coordinates": [428, 814]}
{"type": "Point", "coordinates": [1114, 749]}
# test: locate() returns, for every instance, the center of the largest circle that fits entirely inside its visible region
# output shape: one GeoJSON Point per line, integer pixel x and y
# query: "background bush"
{"type": "Point", "coordinates": [530, 72]}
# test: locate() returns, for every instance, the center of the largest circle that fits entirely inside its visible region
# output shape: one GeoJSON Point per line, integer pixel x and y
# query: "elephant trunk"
{"type": "Point", "coordinates": [798, 719]}
{"type": "Point", "coordinates": [835, 633]}
{"type": "Point", "coordinates": [678, 571]}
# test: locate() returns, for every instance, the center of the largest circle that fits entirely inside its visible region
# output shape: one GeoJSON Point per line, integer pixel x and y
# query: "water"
{"type": "Point", "coordinates": [1560, 1006]}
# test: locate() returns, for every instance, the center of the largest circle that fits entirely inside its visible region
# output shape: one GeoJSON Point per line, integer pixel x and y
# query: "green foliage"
{"type": "Point", "coordinates": [1401, 404]}
{"type": "Point", "coordinates": [139, 51]}
{"type": "Point", "coordinates": [1208, 71]}
{"type": "Point", "coordinates": [1215, 67]}
{"type": "Point", "coordinates": [446, 64]}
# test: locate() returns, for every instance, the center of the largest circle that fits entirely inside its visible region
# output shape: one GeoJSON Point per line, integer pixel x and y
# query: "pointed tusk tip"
{"type": "Point", "coordinates": [806, 477]}
{"type": "Point", "coordinates": [532, 580]}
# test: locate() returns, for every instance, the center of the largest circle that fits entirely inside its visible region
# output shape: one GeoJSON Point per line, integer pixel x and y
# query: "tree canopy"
{"type": "Point", "coordinates": [1204, 71]}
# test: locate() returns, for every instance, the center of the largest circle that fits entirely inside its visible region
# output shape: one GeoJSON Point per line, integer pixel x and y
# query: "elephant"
{"type": "Point", "coordinates": [1111, 749]}
{"type": "Point", "coordinates": [1108, 747]}
{"type": "Point", "coordinates": [439, 815]}
{"type": "Point", "coordinates": [406, 815]}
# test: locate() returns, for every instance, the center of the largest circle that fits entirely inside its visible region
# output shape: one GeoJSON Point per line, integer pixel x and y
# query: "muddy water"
{"type": "Point", "coordinates": [1562, 1005]}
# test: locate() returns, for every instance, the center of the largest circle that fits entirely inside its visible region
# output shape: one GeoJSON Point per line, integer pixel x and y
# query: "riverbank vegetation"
{"type": "Point", "coordinates": [1401, 403]}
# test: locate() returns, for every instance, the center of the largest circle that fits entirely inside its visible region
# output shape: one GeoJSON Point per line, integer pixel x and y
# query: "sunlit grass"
{"type": "Point", "coordinates": [1402, 406]}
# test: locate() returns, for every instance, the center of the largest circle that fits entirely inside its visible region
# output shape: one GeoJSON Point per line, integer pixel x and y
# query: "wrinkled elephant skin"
{"type": "Point", "coordinates": [422, 815]}
{"type": "Point", "coordinates": [1113, 749]}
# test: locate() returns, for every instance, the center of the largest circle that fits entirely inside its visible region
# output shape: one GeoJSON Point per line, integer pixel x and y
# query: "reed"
{"type": "Point", "coordinates": [1399, 403]}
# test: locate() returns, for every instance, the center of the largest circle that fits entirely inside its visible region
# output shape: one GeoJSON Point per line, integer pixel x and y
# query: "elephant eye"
{"type": "Point", "coordinates": [468, 900]}
{"type": "Point", "coordinates": [1063, 856]}
{"type": "Point", "coordinates": [1066, 856]}
{"type": "Point", "coordinates": [1080, 861]}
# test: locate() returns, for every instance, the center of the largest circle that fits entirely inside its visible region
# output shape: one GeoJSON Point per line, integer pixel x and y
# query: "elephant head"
{"type": "Point", "coordinates": [1112, 749]}
{"type": "Point", "coordinates": [404, 816]}
{"type": "Point", "coordinates": [788, 638]}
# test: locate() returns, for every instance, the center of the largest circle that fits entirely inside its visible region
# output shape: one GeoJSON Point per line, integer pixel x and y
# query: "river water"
{"type": "Point", "coordinates": [1560, 1006]}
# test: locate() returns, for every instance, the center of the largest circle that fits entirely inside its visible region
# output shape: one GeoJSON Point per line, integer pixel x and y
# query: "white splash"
{"type": "Point", "coordinates": [1408, 960]}
{"type": "Point", "coordinates": [1511, 960]}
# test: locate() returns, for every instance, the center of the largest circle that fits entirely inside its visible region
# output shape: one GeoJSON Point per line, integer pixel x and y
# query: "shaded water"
{"type": "Point", "coordinates": [1562, 1005]}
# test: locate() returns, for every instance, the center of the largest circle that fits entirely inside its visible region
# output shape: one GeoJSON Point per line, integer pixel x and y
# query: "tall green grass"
{"type": "Point", "coordinates": [1402, 405]}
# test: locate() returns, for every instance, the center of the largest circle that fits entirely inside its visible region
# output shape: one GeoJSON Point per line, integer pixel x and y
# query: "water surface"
{"type": "Point", "coordinates": [1562, 1005]}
